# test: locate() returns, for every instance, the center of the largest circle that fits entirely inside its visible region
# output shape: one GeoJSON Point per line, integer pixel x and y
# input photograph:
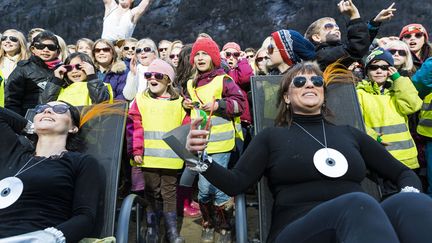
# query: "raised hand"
{"type": "Point", "coordinates": [347, 7]}
{"type": "Point", "coordinates": [385, 14]}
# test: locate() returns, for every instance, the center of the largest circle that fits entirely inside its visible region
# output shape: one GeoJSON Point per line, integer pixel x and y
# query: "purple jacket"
{"type": "Point", "coordinates": [116, 76]}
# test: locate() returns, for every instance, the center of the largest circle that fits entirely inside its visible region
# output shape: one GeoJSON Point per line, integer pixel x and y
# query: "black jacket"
{"type": "Point", "coordinates": [25, 85]}
{"type": "Point", "coordinates": [97, 90]}
{"type": "Point", "coordinates": [354, 50]}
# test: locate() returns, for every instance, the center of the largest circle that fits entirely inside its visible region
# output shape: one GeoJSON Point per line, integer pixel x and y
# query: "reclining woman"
{"type": "Point", "coordinates": [315, 168]}
{"type": "Point", "coordinates": [59, 185]}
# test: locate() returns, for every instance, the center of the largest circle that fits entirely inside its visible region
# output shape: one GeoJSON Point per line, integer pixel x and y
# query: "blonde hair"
{"type": "Point", "coordinates": [64, 53]}
{"type": "Point", "coordinates": [150, 43]}
{"type": "Point", "coordinates": [23, 52]}
{"type": "Point", "coordinates": [315, 27]}
{"type": "Point", "coordinates": [255, 65]}
{"type": "Point", "coordinates": [32, 32]}
{"type": "Point", "coordinates": [87, 41]}
{"type": "Point", "coordinates": [408, 65]}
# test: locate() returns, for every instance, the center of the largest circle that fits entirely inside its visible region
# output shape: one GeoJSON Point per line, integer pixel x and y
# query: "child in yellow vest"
{"type": "Point", "coordinates": [2, 81]}
{"type": "Point", "coordinates": [77, 83]}
{"type": "Point", "coordinates": [154, 112]}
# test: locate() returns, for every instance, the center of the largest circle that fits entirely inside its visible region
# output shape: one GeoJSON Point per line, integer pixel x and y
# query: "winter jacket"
{"type": "Point", "coordinates": [26, 84]}
{"type": "Point", "coordinates": [116, 76]}
{"type": "Point", "coordinates": [422, 78]}
{"type": "Point", "coordinates": [356, 47]}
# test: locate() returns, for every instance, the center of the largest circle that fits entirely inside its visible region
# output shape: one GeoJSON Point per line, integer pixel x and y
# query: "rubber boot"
{"type": "Point", "coordinates": [152, 232]}
{"type": "Point", "coordinates": [207, 234]}
{"type": "Point", "coordinates": [224, 215]}
{"type": "Point", "coordinates": [189, 211]}
{"type": "Point", "coordinates": [184, 198]}
{"type": "Point", "coordinates": [171, 228]}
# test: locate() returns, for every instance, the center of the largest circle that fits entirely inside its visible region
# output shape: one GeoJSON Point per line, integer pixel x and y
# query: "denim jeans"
{"type": "Point", "coordinates": [206, 189]}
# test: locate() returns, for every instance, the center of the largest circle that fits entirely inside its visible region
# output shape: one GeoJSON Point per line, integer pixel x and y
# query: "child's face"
{"type": "Point", "coordinates": [84, 48]}
{"type": "Point", "coordinates": [415, 41]}
{"type": "Point", "coordinates": [399, 55]}
{"type": "Point", "coordinates": [159, 87]}
{"type": "Point", "coordinates": [329, 32]}
{"type": "Point", "coordinates": [202, 61]}
{"type": "Point", "coordinates": [378, 71]}
{"type": "Point", "coordinates": [76, 75]}
{"type": "Point", "coordinates": [231, 56]}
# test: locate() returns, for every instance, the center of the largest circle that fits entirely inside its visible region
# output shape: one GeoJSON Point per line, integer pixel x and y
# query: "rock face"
{"type": "Point", "coordinates": [247, 22]}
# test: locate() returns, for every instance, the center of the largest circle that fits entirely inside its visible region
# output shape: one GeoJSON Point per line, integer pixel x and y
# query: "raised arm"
{"type": "Point", "coordinates": [10, 125]}
{"type": "Point", "coordinates": [139, 10]}
{"type": "Point", "coordinates": [109, 6]}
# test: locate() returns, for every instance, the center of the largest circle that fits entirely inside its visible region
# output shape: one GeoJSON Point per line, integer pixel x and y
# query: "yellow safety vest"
{"type": "Point", "coordinates": [159, 117]}
{"type": "Point", "coordinates": [77, 94]}
{"type": "Point", "coordinates": [424, 126]}
{"type": "Point", "coordinates": [2, 85]}
{"type": "Point", "coordinates": [223, 131]}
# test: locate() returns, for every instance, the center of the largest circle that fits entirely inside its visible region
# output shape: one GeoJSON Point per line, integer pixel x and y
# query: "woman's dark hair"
{"type": "Point", "coordinates": [74, 142]}
{"type": "Point", "coordinates": [46, 35]}
{"type": "Point", "coordinates": [184, 68]}
{"type": "Point", "coordinates": [285, 112]}
{"type": "Point", "coordinates": [84, 57]}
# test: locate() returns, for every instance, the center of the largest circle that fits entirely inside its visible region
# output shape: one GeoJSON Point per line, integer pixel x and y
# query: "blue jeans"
{"type": "Point", "coordinates": [206, 189]}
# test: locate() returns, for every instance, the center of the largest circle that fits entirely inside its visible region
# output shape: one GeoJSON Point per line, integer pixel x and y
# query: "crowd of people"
{"type": "Point", "coordinates": [170, 83]}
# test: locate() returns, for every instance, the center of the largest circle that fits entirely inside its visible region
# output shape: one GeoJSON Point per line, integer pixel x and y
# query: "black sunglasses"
{"type": "Point", "coordinates": [417, 35]}
{"type": "Point", "coordinates": [300, 81]}
{"type": "Point", "coordinates": [162, 49]}
{"type": "Point", "coordinates": [250, 56]}
{"type": "Point", "coordinates": [330, 26]}
{"type": "Point", "coordinates": [71, 67]}
{"type": "Point", "coordinates": [158, 76]}
{"type": "Point", "coordinates": [41, 46]}
{"type": "Point", "coordinates": [260, 59]}
{"type": "Point", "coordinates": [11, 38]}
{"type": "Point", "coordinates": [401, 53]}
{"type": "Point", "coordinates": [172, 56]}
{"type": "Point", "coordinates": [376, 67]}
{"type": "Point", "coordinates": [126, 48]}
{"type": "Point", "coordinates": [229, 54]}
{"type": "Point", "coordinates": [105, 49]}
{"type": "Point", "coordinates": [145, 49]}
{"type": "Point", "coordinates": [59, 109]}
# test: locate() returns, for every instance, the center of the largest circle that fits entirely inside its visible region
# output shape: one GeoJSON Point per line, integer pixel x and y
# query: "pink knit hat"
{"type": "Point", "coordinates": [160, 66]}
{"type": "Point", "coordinates": [232, 45]}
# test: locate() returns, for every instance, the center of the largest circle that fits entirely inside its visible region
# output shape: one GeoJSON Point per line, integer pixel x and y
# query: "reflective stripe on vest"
{"type": "Point", "coordinates": [159, 116]}
{"type": "Point", "coordinates": [222, 133]}
{"type": "Point", "coordinates": [398, 128]}
{"type": "Point", "coordinates": [424, 126]}
{"type": "Point", "coordinates": [77, 94]}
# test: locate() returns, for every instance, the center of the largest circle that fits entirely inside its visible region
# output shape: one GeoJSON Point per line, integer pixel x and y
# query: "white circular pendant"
{"type": "Point", "coordinates": [11, 189]}
{"type": "Point", "coordinates": [330, 162]}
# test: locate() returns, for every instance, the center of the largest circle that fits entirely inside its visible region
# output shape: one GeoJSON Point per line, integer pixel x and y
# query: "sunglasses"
{"type": "Point", "coordinates": [234, 54]}
{"type": "Point", "coordinates": [330, 26]}
{"type": "Point", "coordinates": [163, 49]}
{"type": "Point", "coordinates": [40, 46]}
{"type": "Point", "coordinates": [105, 49]}
{"type": "Point", "coordinates": [401, 53]}
{"type": "Point", "coordinates": [126, 48]}
{"type": "Point", "coordinates": [172, 56]}
{"type": "Point", "coordinates": [71, 67]}
{"type": "Point", "coordinates": [271, 48]}
{"type": "Point", "coordinates": [156, 75]}
{"type": "Point", "coordinates": [59, 109]}
{"type": "Point", "coordinates": [417, 35]}
{"type": "Point", "coordinates": [376, 67]}
{"type": "Point", "coordinates": [11, 38]}
{"type": "Point", "coordinates": [300, 81]}
{"type": "Point", "coordinates": [145, 49]}
{"type": "Point", "coordinates": [250, 56]}
{"type": "Point", "coordinates": [260, 59]}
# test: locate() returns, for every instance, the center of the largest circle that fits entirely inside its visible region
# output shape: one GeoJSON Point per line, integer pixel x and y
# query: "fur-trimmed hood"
{"type": "Point", "coordinates": [118, 67]}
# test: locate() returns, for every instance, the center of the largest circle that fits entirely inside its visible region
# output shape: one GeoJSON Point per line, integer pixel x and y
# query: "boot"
{"type": "Point", "coordinates": [171, 228]}
{"type": "Point", "coordinates": [189, 211]}
{"type": "Point", "coordinates": [207, 234]}
{"type": "Point", "coordinates": [224, 215]}
{"type": "Point", "coordinates": [152, 232]}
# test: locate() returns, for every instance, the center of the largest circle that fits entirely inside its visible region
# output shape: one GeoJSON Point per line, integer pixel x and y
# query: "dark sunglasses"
{"type": "Point", "coordinates": [260, 59]}
{"type": "Point", "coordinates": [300, 81]}
{"type": "Point", "coordinates": [172, 56]}
{"type": "Point", "coordinates": [145, 49]}
{"type": "Point", "coordinates": [250, 56]}
{"type": "Point", "coordinates": [417, 35]}
{"type": "Point", "coordinates": [11, 38]}
{"type": "Point", "coordinates": [234, 54]}
{"type": "Point", "coordinates": [401, 53]}
{"type": "Point", "coordinates": [59, 109]}
{"type": "Point", "coordinates": [126, 48]}
{"type": "Point", "coordinates": [156, 75]}
{"type": "Point", "coordinates": [71, 67]}
{"type": "Point", "coordinates": [271, 48]}
{"type": "Point", "coordinates": [376, 67]}
{"type": "Point", "coordinates": [105, 49]}
{"type": "Point", "coordinates": [40, 46]}
{"type": "Point", "coordinates": [330, 26]}
{"type": "Point", "coordinates": [163, 49]}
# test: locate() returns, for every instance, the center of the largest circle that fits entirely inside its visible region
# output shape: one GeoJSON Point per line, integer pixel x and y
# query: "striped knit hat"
{"type": "Point", "coordinates": [293, 46]}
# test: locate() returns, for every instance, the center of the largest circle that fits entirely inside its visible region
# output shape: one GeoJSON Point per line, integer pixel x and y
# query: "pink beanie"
{"type": "Point", "coordinates": [232, 45]}
{"type": "Point", "coordinates": [160, 66]}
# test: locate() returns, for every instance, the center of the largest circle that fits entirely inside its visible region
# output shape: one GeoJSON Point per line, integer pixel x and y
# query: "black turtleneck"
{"type": "Point", "coordinates": [285, 156]}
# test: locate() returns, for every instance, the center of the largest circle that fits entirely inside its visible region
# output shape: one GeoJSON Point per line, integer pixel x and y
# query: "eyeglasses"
{"type": "Point", "coordinates": [376, 67]}
{"type": "Point", "coordinates": [260, 59]}
{"type": "Point", "coordinates": [126, 48]}
{"type": "Point", "coordinates": [417, 35]}
{"type": "Point", "coordinates": [11, 38]}
{"type": "Point", "coordinates": [172, 56]}
{"type": "Point", "coordinates": [234, 54]}
{"type": "Point", "coordinates": [40, 46]}
{"type": "Point", "coordinates": [59, 109]}
{"type": "Point", "coordinates": [145, 49]}
{"type": "Point", "coordinates": [162, 49]}
{"type": "Point", "coordinates": [105, 49]}
{"type": "Point", "coordinates": [71, 67]}
{"type": "Point", "coordinates": [401, 53]}
{"type": "Point", "coordinates": [156, 75]}
{"type": "Point", "coordinates": [300, 81]}
{"type": "Point", "coordinates": [330, 26]}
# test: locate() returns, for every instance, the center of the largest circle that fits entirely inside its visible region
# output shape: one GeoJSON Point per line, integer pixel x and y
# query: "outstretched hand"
{"type": "Point", "coordinates": [197, 139]}
{"type": "Point", "coordinates": [347, 7]}
{"type": "Point", "coordinates": [385, 14]}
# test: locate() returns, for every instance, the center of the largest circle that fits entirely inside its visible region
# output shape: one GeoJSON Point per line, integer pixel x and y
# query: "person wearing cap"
{"type": "Point", "coordinates": [386, 99]}
{"type": "Point", "coordinates": [288, 47]}
{"type": "Point", "coordinates": [212, 91]}
{"type": "Point", "coordinates": [155, 111]}
{"type": "Point", "coordinates": [324, 33]}
{"type": "Point", "coordinates": [416, 37]}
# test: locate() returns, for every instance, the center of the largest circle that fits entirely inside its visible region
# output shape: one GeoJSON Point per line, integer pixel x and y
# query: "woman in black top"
{"type": "Point", "coordinates": [60, 185]}
{"type": "Point", "coordinates": [315, 168]}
